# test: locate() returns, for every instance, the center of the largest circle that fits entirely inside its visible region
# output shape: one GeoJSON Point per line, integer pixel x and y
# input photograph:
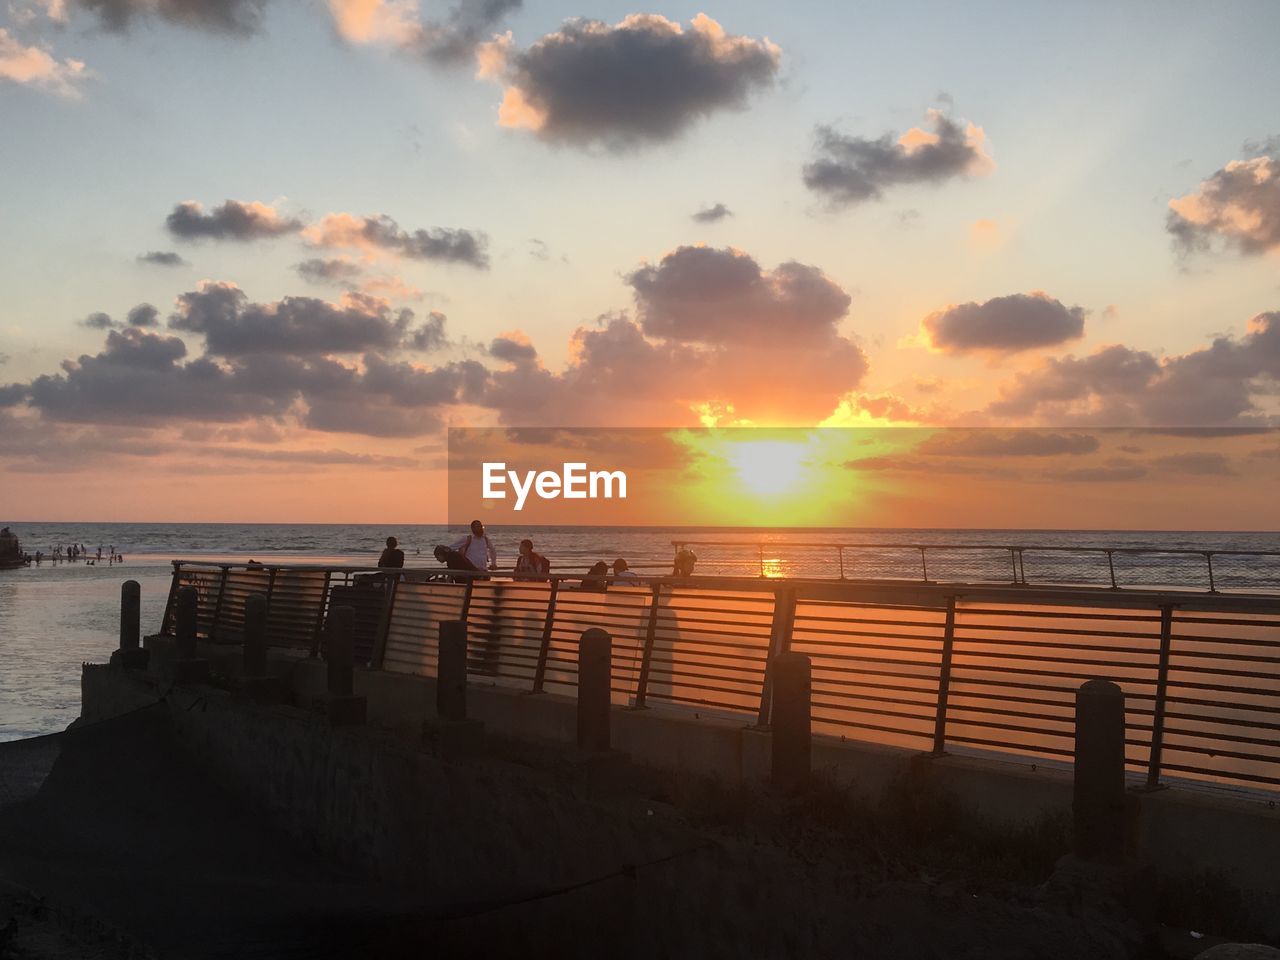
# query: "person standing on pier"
{"type": "Point", "coordinates": [478, 548]}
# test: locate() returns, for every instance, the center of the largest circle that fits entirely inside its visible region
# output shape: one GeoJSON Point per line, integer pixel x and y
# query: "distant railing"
{"type": "Point", "coordinates": [938, 667]}
{"type": "Point", "coordinates": [994, 562]}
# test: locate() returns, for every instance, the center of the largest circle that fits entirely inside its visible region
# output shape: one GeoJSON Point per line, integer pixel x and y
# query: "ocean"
{"type": "Point", "coordinates": [55, 616]}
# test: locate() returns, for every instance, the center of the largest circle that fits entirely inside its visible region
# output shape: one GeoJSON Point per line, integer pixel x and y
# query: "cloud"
{"type": "Point", "coordinates": [642, 80]}
{"type": "Point", "coordinates": [380, 233]}
{"type": "Point", "coordinates": [848, 170]}
{"type": "Point", "coordinates": [431, 335]}
{"type": "Point", "coordinates": [219, 16]}
{"type": "Point", "coordinates": [143, 315]}
{"type": "Point", "coordinates": [98, 321]}
{"type": "Point", "coordinates": [4, 358]}
{"type": "Point", "coordinates": [31, 66]}
{"type": "Point", "coordinates": [712, 214]}
{"type": "Point", "coordinates": [162, 258]}
{"type": "Point", "coordinates": [710, 295]}
{"type": "Point", "coordinates": [1198, 464]}
{"type": "Point", "coordinates": [713, 333]}
{"type": "Point", "coordinates": [234, 220]}
{"type": "Point", "coordinates": [1116, 471]}
{"type": "Point", "coordinates": [145, 379]}
{"type": "Point", "coordinates": [1214, 386]}
{"type": "Point", "coordinates": [1015, 443]}
{"type": "Point", "coordinates": [450, 42]}
{"type": "Point", "coordinates": [1009, 324]}
{"type": "Point", "coordinates": [1238, 206]}
{"type": "Point", "coordinates": [298, 326]}
{"type": "Point", "coordinates": [337, 270]}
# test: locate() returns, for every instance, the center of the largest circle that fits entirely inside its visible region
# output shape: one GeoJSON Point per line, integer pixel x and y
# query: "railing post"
{"type": "Point", "coordinates": [792, 721]}
{"type": "Point", "coordinates": [1162, 692]}
{"type": "Point", "coordinates": [595, 669]}
{"type": "Point", "coordinates": [217, 605]}
{"type": "Point", "coordinates": [167, 620]}
{"type": "Point", "coordinates": [188, 603]}
{"type": "Point", "coordinates": [544, 647]}
{"type": "Point", "coordinates": [1213, 587]}
{"type": "Point", "coordinates": [451, 671]}
{"type": "Point", "coordinates": [924, 566]}
{"type": "Point", "coordinates": [1098, 791]}
{"type": "Point", "coordinates": [255, 635]}
{"type": "Point", "coordinates": [784, 620]}
{"type": "Point", "coordinates": [646, 653]}
{"type": "Point", "coordinates": [318, 628]}
{"type": "Point", "coordinates": [944, 680]}
{"type": "Point", "coordinates": [379, 653]}
{"type": "Point", "coordinates": [1111, 567]}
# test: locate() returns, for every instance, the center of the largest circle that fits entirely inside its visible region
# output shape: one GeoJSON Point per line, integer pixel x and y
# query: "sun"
{"type": "Point", "coordinates": [768, 468]}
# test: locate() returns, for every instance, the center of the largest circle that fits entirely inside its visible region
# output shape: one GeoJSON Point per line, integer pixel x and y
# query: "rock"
{"type": "Point", "coordinates": [1240, 951]}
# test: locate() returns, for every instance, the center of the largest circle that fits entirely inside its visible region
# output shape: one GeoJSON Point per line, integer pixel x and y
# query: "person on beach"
{"type": "Point", "coordinates": [392, 556]}
{"type": "Point", "coordinates": [478, 548]}
{"type": "Point", "coordinates": [623, 575]}
{"type": "Point", "coordinates": [531, 565]}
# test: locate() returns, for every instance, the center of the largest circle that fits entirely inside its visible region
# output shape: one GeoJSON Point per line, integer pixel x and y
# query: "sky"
{"type": "Point", "coordinates": [257, 256]}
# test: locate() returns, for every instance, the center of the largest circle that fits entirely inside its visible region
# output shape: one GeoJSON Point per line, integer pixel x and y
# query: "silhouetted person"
{"type": "Point", "coordinates": [478, 548]}
{"type": "Point", "coordinates": [453, 559]}
{"type": "Point", "coordinates": [683, 566]}
{"type": "Point", "coordinates": [623, 574]}
{"type": "Point", "coordinates": [392, 556]}
{"type": "Point", "coordinates": [595, 578]}
{"type": "Point", "coordinates": [531, 565]}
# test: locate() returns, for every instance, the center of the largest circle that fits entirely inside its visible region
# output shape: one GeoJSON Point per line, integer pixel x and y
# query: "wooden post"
{"type": "Point", "coordinates": [451, 671]}
{"type": "Point", "coordinates": [1098, 798]}
{"type": "Point", "coordinates": [595, 656]}
{"type": "Point", "coordinates": [791, 720]}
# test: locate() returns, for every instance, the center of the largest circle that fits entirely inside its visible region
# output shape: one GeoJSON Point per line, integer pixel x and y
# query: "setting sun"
{"type": "Point", "coordinates": [768, 467]}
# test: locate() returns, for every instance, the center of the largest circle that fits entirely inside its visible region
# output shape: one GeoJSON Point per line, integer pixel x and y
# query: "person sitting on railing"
{"type": "Point", "coordinates": [597, 577]}
{"type": "Point", "coordinates": [478, 548]}
{"type": "Point", "coordinates": [392, 556]}
{"type": "Point", "coordinates": [683, 566]}
{"type": "Point", "coordinates": [454, 560]}
{"type": "Point", "coordinates": [624, 576]}
{"type": "Point", "coordinates": [530, 565]}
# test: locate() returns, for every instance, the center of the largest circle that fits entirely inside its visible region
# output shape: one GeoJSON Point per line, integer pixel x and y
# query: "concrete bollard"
{"type": "Point", "coordinates": [451, 672]}
{"type": "Point", "coordinates": [130, 653]}
{"type": "Point", "coordinates": [130, 614]}
{"type": "Point", "coordinates": [339, 640]}
{"type": "Point", "coordinates": [188, 668]}
{"type": "Point", "coordinates": [1098, 801]}
{"type": "Point", "coordinates": [255, 635]}
{"type": "Point", "coordinates": [340, 703]}
{"type": "Point", "coordinates": [790, 720]}
{"type": "Point", "coordinates": [595, 666]}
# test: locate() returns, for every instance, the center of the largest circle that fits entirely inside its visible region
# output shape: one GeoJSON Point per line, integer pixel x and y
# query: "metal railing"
{"type": "Point", "coordinates": [1006, 563]}
{"type": "Point", "coordinates": [937, 667]}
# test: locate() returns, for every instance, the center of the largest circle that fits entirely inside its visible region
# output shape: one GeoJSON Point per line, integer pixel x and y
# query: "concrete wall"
{"type": "Point", "coordinates": [1174, 828]}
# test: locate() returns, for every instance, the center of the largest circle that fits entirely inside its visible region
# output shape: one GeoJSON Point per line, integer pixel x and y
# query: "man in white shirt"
{"type": "Point", "coordinates": [624, 575]}
{"type": "Point", "coordinates": [478, 548]}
